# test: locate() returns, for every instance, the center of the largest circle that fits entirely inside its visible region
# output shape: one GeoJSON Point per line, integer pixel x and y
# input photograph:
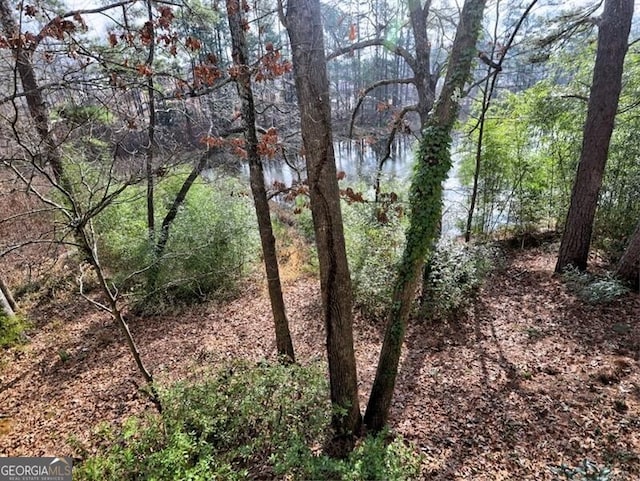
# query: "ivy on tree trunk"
{"type": "Point", "coordinates": [433, 162]}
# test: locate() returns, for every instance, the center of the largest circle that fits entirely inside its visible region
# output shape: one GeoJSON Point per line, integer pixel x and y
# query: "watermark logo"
{"type": "Point", "coordinates": [35, 469]}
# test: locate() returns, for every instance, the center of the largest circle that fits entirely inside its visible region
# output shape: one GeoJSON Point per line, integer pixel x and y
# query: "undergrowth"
{"type": "Point", "coordinates": [374, 248]}
{"type": "Point", "coordinates": [212, 243]}
{"type": "Point", "coordinates": [585, 471]}
{"type": "Point", "coordinates": [455, 273]}
{"type": "Point", "coordinates": [12, 330]}
{"type": "Point", "coordinates": [243, 422]}
{"type": "Point", "coordinates": [594, 289]}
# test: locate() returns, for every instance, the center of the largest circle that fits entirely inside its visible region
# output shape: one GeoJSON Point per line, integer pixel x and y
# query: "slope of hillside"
{"type": "Point", "coordinates": [531, 376]}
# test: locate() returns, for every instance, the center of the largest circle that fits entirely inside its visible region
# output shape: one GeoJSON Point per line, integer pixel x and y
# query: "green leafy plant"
{"type": "Point", "coordinates": [378, 457]}
{"type": "Point", "coordinates": [456, 272]}
{"type": "Point", "coordinates": [594, 289]}
{"type": "Point", "coordinates": [82, 114]}
{"type": "Point", "coordinates": [523, 183]}
{"type": "Point", "coordinates": [212, 243]}
{"type": "Point", "coordinates": [374, 248]}
{"type": "Point", "coordinates": [243, 422]}
{"type": "Point", "coordinates": [12, 330]}
{"type": "Point", "coordinates": [585, 471]}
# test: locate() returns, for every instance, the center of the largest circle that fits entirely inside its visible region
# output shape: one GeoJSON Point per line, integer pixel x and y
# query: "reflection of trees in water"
{"type": "Point", "coordinates": [358, 159]}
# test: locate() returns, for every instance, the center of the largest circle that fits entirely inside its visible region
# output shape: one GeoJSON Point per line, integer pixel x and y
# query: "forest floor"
{"type": "Point", "coordinates": [531, 376]}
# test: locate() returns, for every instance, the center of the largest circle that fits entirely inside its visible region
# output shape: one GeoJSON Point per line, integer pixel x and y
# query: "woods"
{"type": "Point", "coordinates": [305, 240]}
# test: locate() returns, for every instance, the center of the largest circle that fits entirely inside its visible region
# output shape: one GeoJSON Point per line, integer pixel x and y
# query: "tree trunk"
{"type": "Point", "coordinates": [5, 306]}
{"type": "Point", "coordinates": [478, 160]}
{"type": "Point", "coordinates": [4, 290]}
{"type": "Point", "coordinates": [37, 107]}
{"type": "Point", "coordinates": [493, 69]}
{"type": "Point", "coordinates": [425, 82]}
{"type": "Point", "coordinates": [433, 164]}
{"type": "Point", "coordinates": [304, 27]}
{"type": "Point", "coordinates": [151, 129]}
{"type": "Point", "coordinates": [613, 34]}
{"type": "Point", "coordinates": [256, 176]}
{"type": "Point", "coordinates": [40, 116]}
{"type": "Point", "coordinates": [629, 264]}
{"type": "Point", "coordinates": [86, 234]}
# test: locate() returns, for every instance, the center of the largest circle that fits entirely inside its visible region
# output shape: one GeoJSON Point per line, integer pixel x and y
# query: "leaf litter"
{"type": "Point", "coordinates": [530, 376]}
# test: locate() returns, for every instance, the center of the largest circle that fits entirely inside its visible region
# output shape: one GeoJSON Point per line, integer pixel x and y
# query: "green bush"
{"type": "Point", "coordinates": [375, 458]}
{"type": "Point", "coordinates": [373, 249]}
{"type": "Point", "coordinates": [586, 471]}
{"type": "Point", "coordinates": [212, 242]}
{"type": "Point", "coordinates": [244, 422]}
{"type": "Point", "coordinates": [455, 273]}
{"type": "Point", "coordinates": [594, 289]}
{"type": "Point", "coordinates": [12, 330]}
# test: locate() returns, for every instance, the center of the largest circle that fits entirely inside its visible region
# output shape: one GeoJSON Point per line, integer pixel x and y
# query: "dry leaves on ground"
{"type": "Point", "coordinates": [530, 377]}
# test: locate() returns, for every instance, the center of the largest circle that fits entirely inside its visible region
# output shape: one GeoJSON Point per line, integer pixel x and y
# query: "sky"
{"type": "Point", "coordinates": [99, 23]}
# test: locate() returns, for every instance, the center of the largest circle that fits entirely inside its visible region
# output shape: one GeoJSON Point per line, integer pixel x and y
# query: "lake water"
{"type": "Point", "coordinates": [359, 162]}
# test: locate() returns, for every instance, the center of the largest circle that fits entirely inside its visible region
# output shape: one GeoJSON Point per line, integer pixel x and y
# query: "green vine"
{"type": "Point", "coordinates": [433, 162]}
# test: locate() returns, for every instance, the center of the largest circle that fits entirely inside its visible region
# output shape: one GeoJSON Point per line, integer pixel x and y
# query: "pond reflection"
{"type": "Point", "coordinates": [359, 161]}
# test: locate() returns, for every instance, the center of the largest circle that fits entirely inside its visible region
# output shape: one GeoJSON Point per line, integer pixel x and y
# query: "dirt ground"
{"type": "Point", "coordinates": [530, 377]}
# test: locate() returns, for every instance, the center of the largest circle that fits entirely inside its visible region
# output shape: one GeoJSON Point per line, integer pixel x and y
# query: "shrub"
{"type": "Point", "coordinates": [212, 242]}
{"type": "Point", "coordinates": [594, 289]}
{"type": "Point", "coordinates": [373, 249]}
{"type": "Point", "coordinates": [586, 471]}
{"type": "Point", "coordinates": [456, 272]}
{"type": "Point", "coordinates": [12, 330]}
{"type": "Point", "coordinates": [244, 422]}
{"type": "Point", "coordinates": [375, 458]}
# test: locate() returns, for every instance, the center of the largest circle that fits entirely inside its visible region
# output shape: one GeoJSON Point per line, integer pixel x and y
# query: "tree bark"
{"type": "Point", "coordinates": [87, 236]}
{"type": "Point", "coordinates": [151, 129]}
{"type": "Point", "coordinates": [37, 107]}
{"type": "Point", "coordinates": [256, 177]}
{"type": "Point", "coordinates": [433, 164]}
{"type": "Point", "coordinates": [304, 27]}
{"type": "Point", "coordinates": [629, 264]}
{"type": "Point", "coordinates": [5, 306]}
{"type": "Point", "coordinates": [613, 35]}
{"type": "Point", "coordinates": [4, 290]}
{"type": "Point", "coordinates": [425, 81]}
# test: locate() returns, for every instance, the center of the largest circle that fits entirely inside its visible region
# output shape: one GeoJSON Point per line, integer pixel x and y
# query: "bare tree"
{"type": "Point", "coordinates": [490, 82]}
{"type": "Point", "coordinates": [260, 200]}
{"type": "Point", "coordinates": [79, 205]}
{"type": "Point", "coordinates": [304, 27]}
{"type": "Point", "coordinates": [38, 110]}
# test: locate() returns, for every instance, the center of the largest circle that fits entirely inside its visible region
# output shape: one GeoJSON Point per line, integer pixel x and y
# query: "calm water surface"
{"type": "Point", "coordinates": [359, 162]}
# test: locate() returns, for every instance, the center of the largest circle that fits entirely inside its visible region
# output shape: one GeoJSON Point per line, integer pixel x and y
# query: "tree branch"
{"type": "Point", "coordinates": [368, 89]}
{"type": "Point", "coordinates": [375, 42]}
{"type": "Point", "coordinates": [389, 142]}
